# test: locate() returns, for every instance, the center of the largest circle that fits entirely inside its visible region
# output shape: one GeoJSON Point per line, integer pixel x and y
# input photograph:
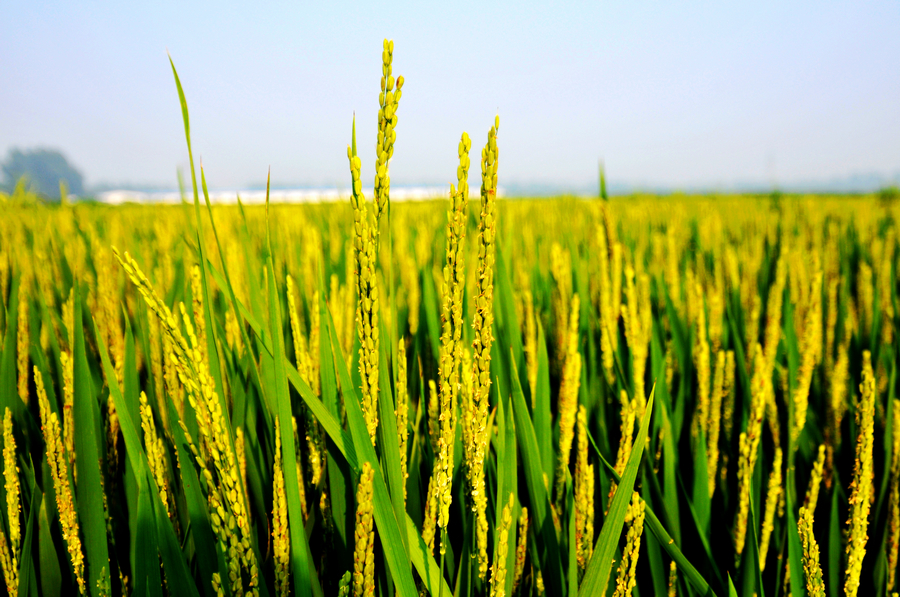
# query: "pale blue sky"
{"type": "Point", "coordinates": [675, 93]}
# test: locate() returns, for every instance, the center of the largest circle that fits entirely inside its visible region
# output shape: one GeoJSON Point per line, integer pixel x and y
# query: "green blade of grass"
{"type": "Point", "coordinates": [511, 333]}
{"type": "Point", "coordinates": [89, 491]}
{"type": "Point", "coordinates": [50, 319]}
{"type": "Point", "coordinates": [239, 307]}
{"type": "Point", "coordinates": [9, 397]}
{"type": "Point", "coordinates": [740, 360]}
{"type": "Point", "coordinates": [700, 493]}
{"type": "Point", "coordinates": [214, 364]}
{"type": "Point", "coordinates": [51, 575]}
{"type": "Point", "coordinates": [505, 448]}
{"type": "Point", "coordinates": [415, 501]}
{"type": "Point", "coordinates": [176, 568]}
{"type": "Point", "coordinates": [551, 562]}
{"type": "Point", "coordinates": [338, 472]}
{"type": "Point", "coordinates": [390, 443]}
{"type": "Point", "coordinates": [336, 433]}
{"type": "Point", "coordinates": [669, 543]}
{"type": "Point", "coordinates": [543, 419]}
{"type": "Point", "coordinates": [750, 568]}
{"type": "Point", "coordinates": [704, 540]}
{"type": "Point", "coordinates": [432, 316]}
{"type": "Point", "coordinates": [198, 514]}
{"type": "Point", "coordinates": [428, 569]}
{"type": "Point", "coordinates": [211, 339]}
{"type": "Point", "coordinates": [684, 566]}
{"type": "Point", "coordinates": [732, 592]}
{"type": "Point", "coordinates": [385, 520]}
{"type": "Point", "coordinates": [657, 567]}
{"type": "Point", "coordinates": [669, 453]}
{"type": "Point", "coordinates": [187, 124]}
{"type": "Point", "coordinates": [326, 374]}
{"type": "Point", "coordinates": [132, 385]}
{"type": "Point", "coordinates": [670, 486]}
{"type": "Point", "coordinates": [795, 561]}
{"type": "Point", "coordinates": [27, 583]}
{"type": "Point", "coordinates": [600, 564]}
{"type": "Point", "coordinates": [835, 548]}
{"type": "Point", "coordinates": [665, 540]}
{"type": "Point", "coordinates": [212, 343]}
{"type": "Point", "coordinates": [212, 352]}
{"type": "Point", "coordinates": [306, 582]}
{"type": "Point", "coordinates": [145, 546]}
{"type": "Point", "coordinates": [510, 468]}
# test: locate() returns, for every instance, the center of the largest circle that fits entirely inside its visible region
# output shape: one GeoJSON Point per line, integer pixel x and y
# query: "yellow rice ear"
{"type": "Point", "coordinates": [815, 586]}
{"type": "Point", "coordinates": [65, 502]}
{"type": "Point", "coordinates": [860, 496]}
{"type": "Point", "coordinates": [364, 554]}
{"type": "Point", "coordinates": [498, 570]}
{"type": "Point", "coordinates": [475, 414]}
{"type": "Point", "coordinates": [281, 548]}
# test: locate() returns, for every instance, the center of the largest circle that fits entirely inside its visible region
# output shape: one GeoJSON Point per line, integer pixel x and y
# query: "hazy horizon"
{"type": "Point", "coordinates": [674, 96]}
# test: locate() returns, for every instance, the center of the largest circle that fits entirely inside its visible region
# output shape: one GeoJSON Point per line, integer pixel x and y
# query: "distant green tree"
{"type": "Point", "coordinates": [888, 196]}
{"type": "Point", "coordinates": [43, 169]}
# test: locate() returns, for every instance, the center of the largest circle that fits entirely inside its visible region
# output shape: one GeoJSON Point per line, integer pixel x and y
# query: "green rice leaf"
{"type": "Point", "coordinates": [704, 540]}
{"type": "Point", "coordinates": [150, 525]}
{"type": "Point", "coordinates": [132, 385]}
{"type": "Point", "coordinates": [51, 576]}
{"type": "Point", "coordinates": [835, 549]}
{"type": "Point", "coordinates": [670, 545]}
{"type": "Point", "coordinates": [421, 557]}
{"type": "Point", "coordinates": [27, 582]}
{"type": "Point", "coordinates": [198, 514]}
{"type": "Point", "coordinates": [511, 333]}
{"type": "Point", "coordinates": [600, 564]}
{"type": "Point", "coordinates": [551, 558]}
{"type": "Point", "coordinates": [732, 592]}
{"type": "Point", "coordinates": [212, 346]}
{"type": "Point", "coordinates": [385, 520]}
{"type": "Point", "coordinates": [303, 571]}
{"type": "Point", "coordinates": [9, 397]}
{"type": "Point", "coordinates": [336, 433]}
{"type": "Point", "coordinates": [669, 491]}
{"type": "Point", "coordinates": [670, 487]}
{"type": "Point", "coordinates": [89, 491]}
{"type": "Point", "coordinates": [543, 423]}
{"type": "Point", "coordinates": [701, 503]}
{"type": "Point", "coordinates": [432, 314]}
{"type": "Point", "coordinates": [657, 567]}
{"type": "Point", "coordinates": [685, 568]}
{"type": "Point", "coordinates": [505, 448]}
{"type": "Point", "coordinates": [795, 553]}
{"type": "Point", "coordinates": [145, 546]}
{"type": "Point", "coordinates": [338, 472]}
{"type": "Point", "coordinates": [239, 307]}
{"type": "Point", "coordinates": [389, 441]}
{"type": "Point", "coordinates": [750, 568]}
{"type": "Point", "coordinates": [187, 123]}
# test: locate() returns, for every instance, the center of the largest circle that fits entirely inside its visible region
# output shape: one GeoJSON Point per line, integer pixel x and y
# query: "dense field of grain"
{"type": "Point", "coordinates": [480, 396]}
{"type": "Point", "coordinates": [145, 395]}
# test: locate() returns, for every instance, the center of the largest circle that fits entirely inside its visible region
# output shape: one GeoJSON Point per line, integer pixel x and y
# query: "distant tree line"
{"type": "Point", "coordinates": [43, 170]}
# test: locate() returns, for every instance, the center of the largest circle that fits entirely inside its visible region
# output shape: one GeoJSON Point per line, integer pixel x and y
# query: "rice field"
{"type": "Point", "coordinates": [687, 395]}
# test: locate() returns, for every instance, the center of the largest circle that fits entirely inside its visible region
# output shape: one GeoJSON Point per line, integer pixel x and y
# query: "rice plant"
{"type": "Point", "coordinates": [608, 396]}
